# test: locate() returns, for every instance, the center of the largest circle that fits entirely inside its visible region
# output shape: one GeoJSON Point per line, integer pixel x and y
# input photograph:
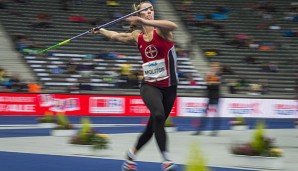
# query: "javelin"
{"type": "Point", "coordinates": [96, 28]}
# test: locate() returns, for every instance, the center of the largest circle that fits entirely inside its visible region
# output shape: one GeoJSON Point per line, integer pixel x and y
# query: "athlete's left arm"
{"type": "Point", "coordinates": [162, 24]}
{"type": "Point", "coordinates": [164, 27]}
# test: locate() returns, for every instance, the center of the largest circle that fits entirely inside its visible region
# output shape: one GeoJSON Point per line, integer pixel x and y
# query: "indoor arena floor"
{"type": "Point", "coordinates": [26, 146]}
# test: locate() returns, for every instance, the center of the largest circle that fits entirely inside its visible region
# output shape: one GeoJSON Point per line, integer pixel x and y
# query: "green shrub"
{"type": "Point", "coordinates": [88, 136]}
{"type": "Point", "coordinates": [63, 122]}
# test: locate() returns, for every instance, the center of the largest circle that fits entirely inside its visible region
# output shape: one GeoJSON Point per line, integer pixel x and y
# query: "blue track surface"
{"type": "Point", "coordinates": [11, 161]}
{"type": "Point", "coordinates": [183, 124]}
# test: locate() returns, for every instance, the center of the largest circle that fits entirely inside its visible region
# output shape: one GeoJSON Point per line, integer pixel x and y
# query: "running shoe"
{"type": "Point", "coordinates": [168, 166]}
{"type": "Point", "coordinates": [129, 165]}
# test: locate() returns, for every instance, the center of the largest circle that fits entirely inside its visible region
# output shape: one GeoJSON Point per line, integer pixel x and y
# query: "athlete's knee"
{"type": "Point", "coordinates": [159, 117]}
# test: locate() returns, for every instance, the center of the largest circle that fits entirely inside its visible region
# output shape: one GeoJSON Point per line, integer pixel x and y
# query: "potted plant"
{"type": "Point", "coordinates": [261, 152]}
{"type": "Point", "coordinates": [238, 123]}
{"type": "Point", "coordinates": [196, 160]}
{"type": "Point", "coordinates": [47, 120]}
{"type": "Point", "coordinates": [88, 137]}
{"type": "Point", "coordinates": [170, 125]}
{"type": "Point", "coordinates": [63, 127]}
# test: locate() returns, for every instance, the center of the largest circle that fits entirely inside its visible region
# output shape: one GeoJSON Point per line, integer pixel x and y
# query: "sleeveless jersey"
{"type": "Point", "coordinates": [159, 61]}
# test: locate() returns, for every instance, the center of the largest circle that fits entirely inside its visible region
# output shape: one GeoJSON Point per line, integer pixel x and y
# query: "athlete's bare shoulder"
{"type": "Point", "coordinates": [135, 34]}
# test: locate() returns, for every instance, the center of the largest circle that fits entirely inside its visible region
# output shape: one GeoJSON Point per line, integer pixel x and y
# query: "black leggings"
{"type": "Point", "coordinates": [160, 102]}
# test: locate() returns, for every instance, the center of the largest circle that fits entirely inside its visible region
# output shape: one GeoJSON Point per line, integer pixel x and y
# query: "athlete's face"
{"type": "Point", "coordinates": [147, 14]}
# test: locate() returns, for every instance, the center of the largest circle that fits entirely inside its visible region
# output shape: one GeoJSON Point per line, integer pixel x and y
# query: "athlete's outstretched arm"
{"type": "Point", "coordinates": [116, 36]}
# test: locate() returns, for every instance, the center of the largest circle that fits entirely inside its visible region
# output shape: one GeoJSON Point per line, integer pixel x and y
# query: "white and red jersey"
{"type": "Point", "coordinates": [159, 61]}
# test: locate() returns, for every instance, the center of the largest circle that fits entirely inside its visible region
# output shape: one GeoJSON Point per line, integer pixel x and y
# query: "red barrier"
{"type": "Point", "coordinates": [73, 104]}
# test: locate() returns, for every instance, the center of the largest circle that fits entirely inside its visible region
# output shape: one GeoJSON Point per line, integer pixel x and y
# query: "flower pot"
{"type": "Point", "coordinates": [170, 129]}
{"type": "Point", "coordinates": [47, 125]}
{"type": "Point", "coordinates": [239, 127]}
{"type": "Point", "coordinates": [63, 132]}
{"type": "Point", "coordinates": [258, 162]}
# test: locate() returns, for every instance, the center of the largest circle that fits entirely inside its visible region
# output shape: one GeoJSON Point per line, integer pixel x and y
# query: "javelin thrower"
{"type": "Point", "coordinates": [155, 42]}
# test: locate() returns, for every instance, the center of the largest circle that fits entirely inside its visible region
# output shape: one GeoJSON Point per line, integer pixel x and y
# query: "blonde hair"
{"type": "Point", "coordinates": [136, 7]}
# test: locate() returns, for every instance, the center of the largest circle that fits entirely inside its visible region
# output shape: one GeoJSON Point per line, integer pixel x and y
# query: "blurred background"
{"type": "Point", "coordinates": [253, 42]}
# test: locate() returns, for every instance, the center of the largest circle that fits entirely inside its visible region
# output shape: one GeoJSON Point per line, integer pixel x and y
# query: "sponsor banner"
{"type": "Point", "coordinates": [107, 105]}
{"type": "Point", "coordinates": [284, 108]}
{"type": "Point", "coordinates": [192, 106]}
{"type": "Point", "coordinates": [103, 105]}
{"type": "Point", "coordinates": [18, 104]}
{"type": "Point", "coordinates": [232, 107]}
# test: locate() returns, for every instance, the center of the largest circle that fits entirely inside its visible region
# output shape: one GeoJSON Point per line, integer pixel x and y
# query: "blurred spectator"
{"type": "Point", "coordinates": [269, 67]}
{"type": "Point", "coordinates": [221, 30]}
{"type": "Point", "coordinates": [213, 82]}
{"type": "Point", "coordinates": [250, 59]}
{"type": "Point", "coordinates": [112, 3]}
{"type": "Point", "coordinates": [42, 21]}
{"type": "Point", "coordinates": [192, 81]}
{"type": "Point", "coordinates": [71, 67]}
{"type": "Point", "coordinates": [187, 2]}
{"type": "Point", "coordinates": [86, 69]}
{"type": "Point", "coordinates": [125, 71]}
{"type": "Point", "coordinates": [17, 84]}
{"type": "Point", "coordinates": [85, 85]}
{"type": "Point", "coordinates": [181, 52]}
{"type": "Point", "coordinates": [265, 86]}
{"type": "Point", "coordinates": [2, 4]}
{"type": "Point", "coordinates": [243, 82]}
{"type": "Point", "coordinates": [211, 52]}
{"type": "Point", "coordinates": [34, 87]}
{"type": "Point", "coordinates": [2, 72]}
{"type": "Point", "coordinates": [222, 9]}
{"type": "Point", "coordinates": [73, 87]}
{"type": "Point", "coordinates": [133, 81]}
{"type": "Point", "coordinates": [58, 69]}
{"type": "Point", "coordinates": [25, 45]}
{"type": "Point", "coordinates": [241, 40]}
{"type": "Point", "coordinates": [106, 54]}
{"type": "Point", "coordinates": [112, 77]}
{"type": "Point", "coordinates": [232, 86]}
{"type": "Point", "coordinates": [265, 6]}
{"type": "Point", "coordinates": [264, 46]}
{"type": "Point", "coordinates": [65, 4]}
{"type": "Point", "coordinates": [78, 18]}
{"type": "Point", "coordinates": [116, 14]}
{"type": "Point", "coordinates": [226, 70]}
{"type": "Point", "coordinates": [294, 7]}
{"type": "Point", "coordinates": [181, 74]}
{"type": "Point", "coordinates": [255, 89]}
{"type": "Point", "coordinates": [5, 81]}
{"type": "Point", "coordinates": [290, 33]}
